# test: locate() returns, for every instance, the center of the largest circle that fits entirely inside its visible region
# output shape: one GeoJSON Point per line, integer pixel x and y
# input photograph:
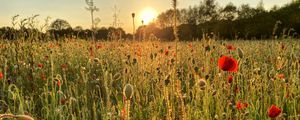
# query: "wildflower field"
{"type": "Point", "coordinates": [203, 80]}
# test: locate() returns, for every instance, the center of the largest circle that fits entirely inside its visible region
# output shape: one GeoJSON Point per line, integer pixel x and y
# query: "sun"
{"type": "Point", "coordinates": [148, 15]}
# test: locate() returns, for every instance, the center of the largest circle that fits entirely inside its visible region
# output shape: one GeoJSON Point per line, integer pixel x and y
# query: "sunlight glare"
{"type": "Point", "coordinates": [148, 15]}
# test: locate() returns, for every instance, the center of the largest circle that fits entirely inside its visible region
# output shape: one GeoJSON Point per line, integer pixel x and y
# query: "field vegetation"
{"type": "Point", "coordinates": [78, 79]}
{"type": "Point", "coordinates": [180, 67]}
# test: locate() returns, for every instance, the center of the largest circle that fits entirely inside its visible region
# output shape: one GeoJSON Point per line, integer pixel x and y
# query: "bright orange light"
{"type": "Point", "coordinates": [148, 15]}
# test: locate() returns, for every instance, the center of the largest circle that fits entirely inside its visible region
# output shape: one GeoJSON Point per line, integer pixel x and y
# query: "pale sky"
{"type": "Point", "coordinates": [74, 10]}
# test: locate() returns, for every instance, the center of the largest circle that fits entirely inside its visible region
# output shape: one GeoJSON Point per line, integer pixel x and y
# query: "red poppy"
{"type": "Point", "coordinates": [287, 95]}
{"type": "Point", "coordinates": [99, 46]}
{"type": "Point", "coordinates": [40, 65]}
{"type": "Point", "coordinates": [63, 101]}
{"type": "Point", "coordinates": [139, 52]}
{"type": "Point", "coordinates": [246, 105]}
{"type": "Point", "coordinates": [239, 105]}
{"type": "Point", "coordinates": [63, 66]}
{"type": "Point", "coordinates": [283, 47]}
{"type": "Point", "coordinates": [230, 47]}
{"type": "Point", "coordinates": [166, 52]}
{"type": "Point", "coordinates": [91, 52]}
{"type": "Point", "coordinates": [281, 76]}
{"type": "Point", "coordinates": [228, 64]}
{"type": "Point", "coordinates": [46, 57]}
{"type": "Point", "coordinates": [124, 113]}
{"type": "Point", "coordinates": [274, 111]}
{"type": "Point", "coordinates": [230, 78]}
{"type": "Point", "coordinates": [1, 75]}
{"type": "Point", "coordinates": [43, 76]}
{"type": "Point", "coordinates": [190, 45]}
{"type": "Point", "coordinates": [174, 54]}
{"type": "Point", "coordinates": [51, 46]}
{"type": "Point", "coordinates": [236, 89]}
{"type": "Point", "coordinates": [212, 60]}
{"type": "Point", "coordinates": [58, 83]}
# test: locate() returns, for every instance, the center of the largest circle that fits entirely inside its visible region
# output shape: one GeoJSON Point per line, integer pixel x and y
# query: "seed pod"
{"type": "Point", "coordinates": [202, 84]}
{"type": "Point", "coordinates": [97, 60]}
{"type": "Point", "coordinates": [240, 53]}
{"type": "Point", "coordinates": [128, 91]}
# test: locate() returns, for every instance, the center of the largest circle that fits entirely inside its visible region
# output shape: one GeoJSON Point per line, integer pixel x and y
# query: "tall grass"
{"type": "Point", "coordinates": [83, 80]}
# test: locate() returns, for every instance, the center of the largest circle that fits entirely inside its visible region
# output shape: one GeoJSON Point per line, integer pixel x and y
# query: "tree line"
{"type": "Point", "coordinates": [206, 20]}
{"type": "Point", "coordinates": [230, 22]}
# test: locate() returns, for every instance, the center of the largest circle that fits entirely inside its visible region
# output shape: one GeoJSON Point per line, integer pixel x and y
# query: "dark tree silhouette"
{"type": "Point", "coordinates": [60, 24]}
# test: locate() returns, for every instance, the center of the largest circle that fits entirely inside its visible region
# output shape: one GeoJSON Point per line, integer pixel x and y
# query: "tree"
{"type": "Point", "coordinates": [245, 12]}
{"type": "Point", "coordinates": [260, 7]}
{"type": "Point", "coordinates": [77, 29]}
{"type": "Point", "coordinates": [189, 16]}
{"type": "Point", "coordinates": [229, 12]}
{"type": "Point", "coordinates": [60, 24]}
{"type": "Point", "coordinates": [208, 10]}
{"type": "Point", "coordinates": [165, 19]}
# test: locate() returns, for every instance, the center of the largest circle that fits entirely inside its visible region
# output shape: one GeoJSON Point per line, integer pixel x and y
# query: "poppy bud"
{"type": "Point", "coordinates": [202, 84]}
{"type": "Point", "coordinates": [240, 53]}
{"type": "Point", "coordinates": [128, 91]}
{"type": "Point", "coordinates": [230, 78]}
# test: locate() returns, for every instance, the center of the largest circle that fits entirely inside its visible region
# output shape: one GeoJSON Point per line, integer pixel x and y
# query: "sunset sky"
{"type": "Point", "coordinates": [74, 10]}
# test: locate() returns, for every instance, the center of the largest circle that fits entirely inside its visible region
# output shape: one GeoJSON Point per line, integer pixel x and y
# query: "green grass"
{"type": "Point", "coordinates": [92, 77]}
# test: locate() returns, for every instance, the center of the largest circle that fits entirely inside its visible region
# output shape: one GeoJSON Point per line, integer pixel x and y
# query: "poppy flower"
{"type": "Point", "coordinates": [239, 105]}
{"type": "Point", "coordinates": [99, 46]}
{"type": "Point", "coordinates": [124, 113]}
{"type": "Point", "coordinates": [283, 47]}
{"type": "Point", "coordinates": [40, 65]}
{"type": "Point", "coordinates": [63, 66]}
{"type": "Point", "coordinates": [230, 47]}
{"type": "Point", "coordinates": [236, 90]}
{"type": "Point", "coordinates": [166, 52]}
{"type": "Point", "coordinates": [63, 101]}
{"type": "Point", "coordinates": [274, 111]}
{"type": "Point", "coordinates": [190, 45]}
{"type": "Point", "coordinates": [230, 78]}
{"type": "Point", "coordinates": [43, 76]}
{"type": "Point", "coordinates": [228, 64]}
{"type": "Point", "coordinates": [138, 53]}
{"type": "Point", "coordinates": [281, 76]}
{"type": "Point", "coordinates": [212, 60]}
{"type": "Point", "coordinates": [58, 83]}
{"type": "Point", "coordinates": [91, 52]}
{"type": "Point", "coordinates": [246, 105]}
{"type": "Point", "coordinates": [1, 75]}
{"type": "Point", "coordinates": [46, 57]}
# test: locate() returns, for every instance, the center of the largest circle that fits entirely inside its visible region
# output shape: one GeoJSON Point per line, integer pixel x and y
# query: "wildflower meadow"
{"type": "Point", "coordinates": [209, 61]}
{"type": "Point", "coordinates": [78, 79]}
